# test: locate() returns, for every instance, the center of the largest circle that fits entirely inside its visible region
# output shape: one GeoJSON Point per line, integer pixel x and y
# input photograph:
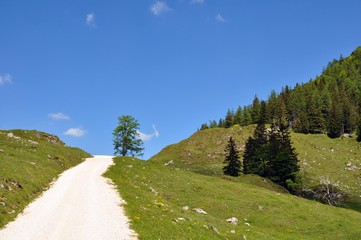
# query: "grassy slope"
{"type": "Point", "coordinates": [33, 166]}
{"type": "Point", "coordinates": [271, 215]}
{"type": "Point", "coordinates": [320, 156]}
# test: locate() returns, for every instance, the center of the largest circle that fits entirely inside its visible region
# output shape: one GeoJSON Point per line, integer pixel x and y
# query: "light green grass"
{"type": "Point", "coordinates": [33, 166]}
{"type": "Point", "coordinates": [271, 215]}
{"type": "Point", "coordinates": [319, 156]}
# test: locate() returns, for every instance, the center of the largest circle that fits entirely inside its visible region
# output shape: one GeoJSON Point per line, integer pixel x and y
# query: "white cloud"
{"type": "Point", "coordinates": [75, 132]}
{"type": "Point", "coordinates": [58, 116]}
{"type": "Point", "coordinates": [5, 78]}
{"type": "Point", "coordinates": [147, 137]}
{"type": "Point", "coordinates": [220, 18]}
{"type": "Point", "coordinates": [159, 7]}
{"type": "Point", "coordinates": [90, 19]}
{"type": "Point", "coordinates": [197, 1]}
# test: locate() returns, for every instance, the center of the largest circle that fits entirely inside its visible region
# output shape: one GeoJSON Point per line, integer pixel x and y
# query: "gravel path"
{"type": "Point", "coordinates": [81, 204]}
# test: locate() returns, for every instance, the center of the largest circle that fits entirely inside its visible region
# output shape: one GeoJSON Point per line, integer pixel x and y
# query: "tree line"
{"type": "Point", "coordinates": [330, 103]}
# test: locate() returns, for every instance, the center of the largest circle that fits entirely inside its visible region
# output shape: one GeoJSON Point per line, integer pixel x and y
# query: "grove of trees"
{"type": "Point", "coordinates": [329, 104]}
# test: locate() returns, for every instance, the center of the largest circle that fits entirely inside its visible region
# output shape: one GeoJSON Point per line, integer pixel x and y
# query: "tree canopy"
{"type": "Point", "coordinates": [126, 137]}
{"type": "Point", "coordinates": [329, 103]}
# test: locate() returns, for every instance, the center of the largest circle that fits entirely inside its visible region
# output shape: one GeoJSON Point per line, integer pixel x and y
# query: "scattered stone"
{"type": "Point", "coordinates": [346, 136]}
{"type": "Point", "coordinates": [2, 151]}
{"type": "Point", "coordinates": [130, 166]}
{"type": "Point", "coordinates": [199, 210]}
{"type": "Point", "coordinates": [351, 167]}
{"type": "Point", "coordinates": [232, 220]}
{"type": "Point", "coordinates": [205, 226]}
{"type": "Point", "coordinates": [32, 163]}
{"type": "Point", "coordinates": [11, 135]}
{"type": "Point", "coordinates": [244, 237]}
{"type": "Point", "coordinates": [2, 204]}
{"type": "Point", "coordinates": [185, 208]}
{"type": "Point", "coordinates": [246, 222]}
{"type": "Point", "coordinates": [233, 231]}
{"type": "Point", "coordinates": [214, 229]}
{"type": "Point", "coordinates": [153, 191]}
{"type": "Point", "coordinates": [181, 219]}
{"type": "Point", "coordinates": [260, 207]}
{"type": "Point", "coordinates": [33, 142]}
{"type": "Point", "coordinates": [170, 162]}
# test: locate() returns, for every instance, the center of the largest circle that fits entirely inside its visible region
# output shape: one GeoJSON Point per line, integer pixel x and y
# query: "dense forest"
{"type": "Point", "coordinates": [329, 104]}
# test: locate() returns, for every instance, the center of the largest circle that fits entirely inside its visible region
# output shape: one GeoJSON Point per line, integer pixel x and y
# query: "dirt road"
{"type": "Point", "coordinates": [81, 204]}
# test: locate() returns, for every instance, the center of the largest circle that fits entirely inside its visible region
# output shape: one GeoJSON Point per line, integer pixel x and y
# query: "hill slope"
{"type": "Point", "coordinates": [160, 202]}
{"type": "Point", "coordinates": [29, 162]}
{"type": "Point", "coordinates": [320, 156]}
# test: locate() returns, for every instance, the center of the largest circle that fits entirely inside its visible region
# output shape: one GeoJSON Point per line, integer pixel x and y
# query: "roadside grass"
{"type": "Point", "coordinates": [156, 194]}
{"type": "Point", "coordinates": [338, 160]}
{"type": "Point", "coordinates": [29, 162]}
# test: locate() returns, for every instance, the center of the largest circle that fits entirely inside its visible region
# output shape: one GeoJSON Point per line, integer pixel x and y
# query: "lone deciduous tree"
{"type": "Point", "coordinates": [232, 163]}
{"type": "Point", "coordinates": [126, 137]}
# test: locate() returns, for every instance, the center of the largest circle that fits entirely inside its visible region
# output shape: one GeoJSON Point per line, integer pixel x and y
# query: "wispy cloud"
{"type": "Point", "coordinates": [197, 1]}
{"type": "Point", "coordinates": [159, 7]}
{"type": "Point", "coordinates": [147, 137]}
{"type": "Point", "coordinates": [75, 132]}
{"type": "Point", "coordinates": [58, 116]}
{"type": "Point", "coordinates": [5, 78]}
{"type": "Point", "coordinates": [220, 18]}
{"type": "Point", "coordinates": [90, 19]}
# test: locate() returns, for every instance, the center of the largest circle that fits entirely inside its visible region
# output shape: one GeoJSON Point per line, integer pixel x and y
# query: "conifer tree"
{"type": "Point", "coordinates": [256, 110]}
{"type": "Point", "coordinates": [229, 119]}
{"type": "Point", "coordinates": [359, 133]}
{"type": "Point", "coordinates": [283, 162]}
{"type": "Point", "coordinates": [334, 125]}
{"type": "Point", "coordinates": [232, 163]}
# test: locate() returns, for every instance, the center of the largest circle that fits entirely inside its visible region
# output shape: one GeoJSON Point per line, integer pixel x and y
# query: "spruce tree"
{"type": "Point", "coordinates": [232, 163]}
{"type": "Point", "coordinates": [283, 162]}
{"type": "Point", "coordinates": [334, 125]}
{"type": "Point", "coordinates": [256, 110]}
{"type": "Point", "coordinates": [359, 133]}
{"type": "Point", "coordinates": [229, 119]}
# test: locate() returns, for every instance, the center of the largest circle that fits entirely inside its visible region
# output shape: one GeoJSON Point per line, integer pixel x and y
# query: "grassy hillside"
{"type": "Point", "coordinates": [336, 159]}
{"type": "Point", "coordinates": [29, 162]}
{"type": "Point", "coordinates": [157, 198]}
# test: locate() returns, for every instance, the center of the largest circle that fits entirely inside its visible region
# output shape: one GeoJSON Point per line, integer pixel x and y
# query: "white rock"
{"type": "Point", "coordinates": [232, 220]}
{"type": "Point", "coordinates": [170, 162]}
{"type": "Point", "coordinates": [199, 210]}
{"type": "Point", "coordinates": [153, 191]}
{"type": "Point", "coordinates": [185, 208]}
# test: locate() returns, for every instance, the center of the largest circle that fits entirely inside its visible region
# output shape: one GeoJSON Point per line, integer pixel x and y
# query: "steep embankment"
{"type": "Point", "coordinates": [161, 201]}
{"type": "Point", "coordinates": [29, 162]}
{"type": "Point", "coordinates": [320, 157]}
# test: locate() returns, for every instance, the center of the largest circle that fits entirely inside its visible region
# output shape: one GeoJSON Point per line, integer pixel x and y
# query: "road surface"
{"type": "Point", "coordinates": [81, 204]}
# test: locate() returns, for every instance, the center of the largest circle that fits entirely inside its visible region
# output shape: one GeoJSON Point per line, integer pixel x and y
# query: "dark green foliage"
{"type": "Point", "coordinates": [256, 110]}
{"type": "Point", "coordinates": [229, 119]}
{"type": "Point", "coordinates": [359, 133]}
{"type": "Point", "coordinates": [271, 155]}
{"type": "Point", "coordinates": [232, 163]}
{"type": "Point", "coordinates": [126, 137]}
{"type": "Point", "coordinates": [334, 126]}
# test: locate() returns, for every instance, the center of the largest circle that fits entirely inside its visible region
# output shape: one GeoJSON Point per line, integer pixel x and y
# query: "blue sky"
{"type": "Point", "coordinates": [71, 67]}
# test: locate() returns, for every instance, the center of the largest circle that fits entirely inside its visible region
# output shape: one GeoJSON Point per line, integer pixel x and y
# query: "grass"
{"type": "Point", "coordinates": [156, 194]}
{"type": "Point", "coordinates": [28, 165]}
{"type": "Point", "coordinates": [320, 157]}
